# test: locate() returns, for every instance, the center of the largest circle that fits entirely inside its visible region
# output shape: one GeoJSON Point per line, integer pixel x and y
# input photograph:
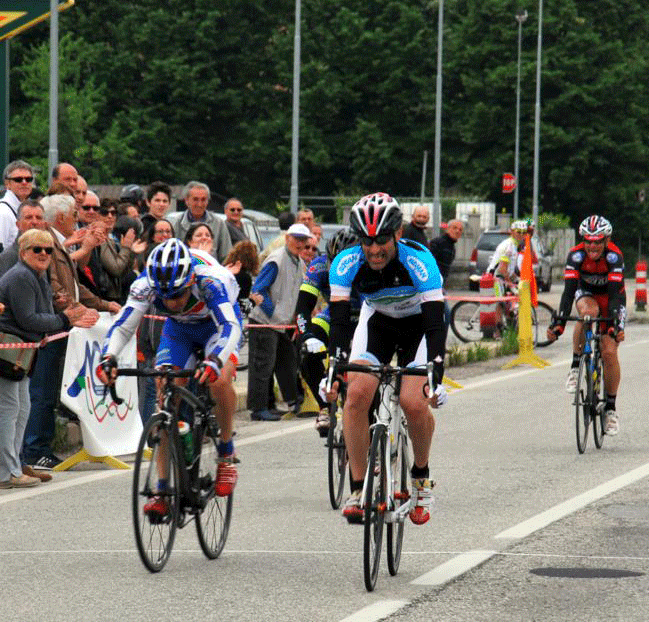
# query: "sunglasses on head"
{"type": "Point", "coordinates": [19, 180]}
{"type": "Point", "coordinates": [42, 249]}
{"type": "Point", "coordinates": [368, 240]}
{"type": "Point", "coordinates": [87, 208]}
{"type": "Point", "coordinates": [105, 212]}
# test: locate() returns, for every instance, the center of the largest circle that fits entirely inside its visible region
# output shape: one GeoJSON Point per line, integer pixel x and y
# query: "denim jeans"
{"type": "Point", "coordinates": [14, 410]}
{"type": "Point", "coordinates": [44, 390]}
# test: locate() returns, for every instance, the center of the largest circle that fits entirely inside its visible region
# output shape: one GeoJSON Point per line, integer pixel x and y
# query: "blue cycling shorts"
{"type": "Point", "coordinates": [179, 341]}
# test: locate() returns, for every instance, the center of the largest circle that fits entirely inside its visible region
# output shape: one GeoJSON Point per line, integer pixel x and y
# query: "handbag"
{"type": "Point", "coordinates": [15, 363]}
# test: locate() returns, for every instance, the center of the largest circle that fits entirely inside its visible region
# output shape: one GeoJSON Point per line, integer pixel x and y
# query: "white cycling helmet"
{"type": "Point", "coordinates": [169, 268]}
{"type": "Point", "coordinates": [595, 228]}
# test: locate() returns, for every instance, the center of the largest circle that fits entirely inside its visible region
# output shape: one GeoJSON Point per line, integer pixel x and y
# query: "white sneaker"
{"type": "Point", "coordinates": [322, 422]}
{"type": "Point", "coordinates": [612, 423]}
{"type": "Point", "coordinates": [571, 380]}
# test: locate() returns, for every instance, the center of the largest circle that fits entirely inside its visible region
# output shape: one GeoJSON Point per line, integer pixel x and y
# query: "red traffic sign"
{"type": "Point", "coordinates": [509, 183]}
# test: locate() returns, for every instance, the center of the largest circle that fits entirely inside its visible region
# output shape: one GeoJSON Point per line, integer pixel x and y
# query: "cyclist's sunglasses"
{"type": "Point", "coordinates": [593, 240]}
{"type": "Point", "coordinates": [368, 240]}
{"type": "Point", "coordinates": [175, 295]}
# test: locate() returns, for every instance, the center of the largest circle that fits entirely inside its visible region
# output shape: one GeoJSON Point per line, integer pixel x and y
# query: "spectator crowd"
{"type": "Point", "coordinates": [67, 254]}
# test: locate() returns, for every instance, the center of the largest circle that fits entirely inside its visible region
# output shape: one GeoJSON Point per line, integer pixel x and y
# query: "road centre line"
{"type": "Point", "coordinates": [376, 611]}
{"type": "Point", "coordinates": [570, 506]}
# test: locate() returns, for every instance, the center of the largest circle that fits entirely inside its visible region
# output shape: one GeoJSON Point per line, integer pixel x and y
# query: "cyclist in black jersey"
{"type": "Point", "coordinates": [594, 279]}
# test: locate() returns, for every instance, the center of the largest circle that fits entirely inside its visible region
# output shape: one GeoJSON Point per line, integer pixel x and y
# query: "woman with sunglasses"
{"type": "Point", "coordinates": [27, 313]}
{"type": "Point", "coordinates": [594, 280]}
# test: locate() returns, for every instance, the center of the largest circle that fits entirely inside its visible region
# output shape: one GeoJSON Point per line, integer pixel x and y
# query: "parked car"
{"type": "Point", "coordinates": [484, 250]}
{"type": "Point", "coordinates": [250, 228]}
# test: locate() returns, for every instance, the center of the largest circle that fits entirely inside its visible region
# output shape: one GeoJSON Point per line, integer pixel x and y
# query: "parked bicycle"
{"type": "Point", "coordinates": [590, 397]}
{"type": "Point", "coordinates": [187, 463]}
{"type": "Point", "coordinates": [465, 321]}
{"type": "Point", "coordinates": [386, 488]}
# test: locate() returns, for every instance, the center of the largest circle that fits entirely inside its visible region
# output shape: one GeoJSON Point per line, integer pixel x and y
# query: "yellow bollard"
{"type": "Point", "coordinates": [525, 341]}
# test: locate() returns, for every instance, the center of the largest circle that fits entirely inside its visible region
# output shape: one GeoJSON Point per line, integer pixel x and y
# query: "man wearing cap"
{"type": "Point", "coordinates": [271, 350]}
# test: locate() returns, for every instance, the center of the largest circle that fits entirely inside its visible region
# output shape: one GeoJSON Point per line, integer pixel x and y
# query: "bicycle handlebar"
{"type": "Point", "coordinates": [147, 373]}
{"type": "Point", "coordinates": [577, 318]}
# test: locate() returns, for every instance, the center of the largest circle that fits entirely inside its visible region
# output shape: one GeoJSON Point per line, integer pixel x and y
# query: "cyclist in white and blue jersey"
{"type": "Point", "coordinates": [199, 297]}
{"type": "Point", "coordinates": [402, 312]}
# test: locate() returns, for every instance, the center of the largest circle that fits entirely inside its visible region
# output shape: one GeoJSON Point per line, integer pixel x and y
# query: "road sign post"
{"type": "Point", "coordinates": [509, 183]}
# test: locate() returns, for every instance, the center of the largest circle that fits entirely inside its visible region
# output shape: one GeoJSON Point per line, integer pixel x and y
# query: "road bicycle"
{"type": "Point", "coordinates": [189, 465]}
{"type": "Point", "coordinates": [590, 398]}
{"type": "Point", "coordinates": [336, 452]}
{"type": "Point", "coordinates": [465, 321]}
{"type": "Point", "coordinates": [386, 487]}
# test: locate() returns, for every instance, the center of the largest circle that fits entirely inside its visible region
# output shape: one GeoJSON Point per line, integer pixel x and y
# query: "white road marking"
{"type": "Point", "coordinates": [569, 506]}
{"type": "Point", "coordinates": [454, 568]}
{"type": "Point", "coordinates": [376, 611]}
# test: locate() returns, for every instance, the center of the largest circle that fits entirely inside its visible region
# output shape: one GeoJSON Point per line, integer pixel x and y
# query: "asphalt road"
{"type": "Point", "coordinates": [524, 528]}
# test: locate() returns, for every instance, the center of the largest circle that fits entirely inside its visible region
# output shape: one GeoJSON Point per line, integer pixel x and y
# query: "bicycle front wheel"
{"type": "Point", "coordinates": [465, 321]}
{"type": "Point", "coordinates": [541, 320]}
{"type": "Point", "coordinates": [155, 533]}
{"type": "Point", "coordinates": [213, 520]}
{"type": "Point", "coordinates": [375, 504]}
{"type": "Point", "coordinates": [583, 403]}
{"type": "Point", "coordinates": [599, 403]}
{"type": "Point", "coordinates": [401, 482]}
{"type": "Point", "coordinates": [336, 458]}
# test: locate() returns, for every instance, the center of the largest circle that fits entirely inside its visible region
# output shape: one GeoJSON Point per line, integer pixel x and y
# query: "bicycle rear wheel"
{"type": "Point", "coordinates": [375, 503]}
{"type": "Point", "coordinates": [541, 320]}
{"type": "Point", "coordinates": [465, 321]}
{"type": "Point", "coordinates": [213, 521]}
{"type": "Point", "coordinates": [336, 458]}
{"type": "Point", "coordinates": [583, 403]}
{"type": "Point", "coordinates": [154, 535]}
{"type": "Point", "coordinates": [400, 475]}
{"type": "Point", "coordinates": [599, 403]}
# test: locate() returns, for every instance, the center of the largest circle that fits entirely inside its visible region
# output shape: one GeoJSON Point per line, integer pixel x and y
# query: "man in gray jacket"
{"type": "Point", "coordinates": [271, 350]}
{"type": "Point", "coordinates": [197, 196]}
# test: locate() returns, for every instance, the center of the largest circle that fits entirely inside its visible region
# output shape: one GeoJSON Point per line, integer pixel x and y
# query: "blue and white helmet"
{"type": "Point", "coordinates": [169, 268]}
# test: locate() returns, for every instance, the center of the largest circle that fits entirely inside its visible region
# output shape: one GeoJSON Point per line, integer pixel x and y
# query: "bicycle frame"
{"type": "Point", "coordinates": [390, 416]}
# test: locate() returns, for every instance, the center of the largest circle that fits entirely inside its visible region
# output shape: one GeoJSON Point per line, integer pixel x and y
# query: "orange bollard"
{"type": "Point", "coordinates": [488, 319]}
{"type": "Point", "coordinates": [641, 285]}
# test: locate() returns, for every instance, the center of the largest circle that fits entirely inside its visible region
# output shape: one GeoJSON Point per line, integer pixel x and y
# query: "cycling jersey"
{"type": "Point", "coordinates": [506, 251]}
{"type": "Point", "coordinates": [410, 286]}
{"type": "Point", "coordinates": [213, 302]}
{"type": "Point", "coordinates": [600, 279]}
{"type": "Point", "coordinates": [316, 283]}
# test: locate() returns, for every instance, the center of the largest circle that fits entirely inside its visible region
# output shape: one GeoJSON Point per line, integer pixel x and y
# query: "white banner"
{"type": "Point", "coordinates": [107, 429]}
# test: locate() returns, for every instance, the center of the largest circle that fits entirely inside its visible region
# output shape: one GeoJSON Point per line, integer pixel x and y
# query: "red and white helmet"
{"type": "Point", "coordinates": [595, 228]}
{"type": "Point", "coordinates": [375, 214]}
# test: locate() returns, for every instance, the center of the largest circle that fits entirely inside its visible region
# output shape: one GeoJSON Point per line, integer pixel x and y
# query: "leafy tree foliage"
{"type": "Point", "coordinates": [203, 89]}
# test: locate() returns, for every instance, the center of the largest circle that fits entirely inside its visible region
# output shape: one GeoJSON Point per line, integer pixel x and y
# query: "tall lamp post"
{"type": "Point", "coordinates": [521, 16]}
{"type": "Point", "coordinates": [537, 119]}
{"type": "Point", "coordinates": [295, 139]}
{"type": "Point", "coordinates": [437, 205]}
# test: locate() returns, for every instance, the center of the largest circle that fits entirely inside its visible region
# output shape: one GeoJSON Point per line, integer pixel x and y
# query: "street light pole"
{"type": "Point", "coordinates": [436, 216]}
{"type": "Point", "coordinates": [521, 16]}
{"type": "Point", "coordinates": [53, 152]}
{"type": "Point", "coordinates": [537, 120]}
{"type": "Point", "coordinates": [295, 141]}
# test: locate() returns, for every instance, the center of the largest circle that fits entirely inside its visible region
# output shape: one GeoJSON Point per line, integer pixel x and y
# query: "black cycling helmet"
{"type": "Point", "coordinates": [376, 214]}
{"type": "Point", "coordinates": [340, 241]}
{"type": "Point", "coordinates": [131, 194]}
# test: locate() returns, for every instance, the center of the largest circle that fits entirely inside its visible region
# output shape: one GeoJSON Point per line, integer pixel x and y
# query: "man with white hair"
{"type": "Point", "coordinates": [197, 196]}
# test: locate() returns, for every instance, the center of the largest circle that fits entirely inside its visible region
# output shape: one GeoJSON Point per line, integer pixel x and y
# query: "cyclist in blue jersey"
{"type": "Point", "coordinates": [198, 296]}
{"type": "Point", "coordinates": [402, 313]}
{"type": "Point", "coordinates": [313, 331]}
